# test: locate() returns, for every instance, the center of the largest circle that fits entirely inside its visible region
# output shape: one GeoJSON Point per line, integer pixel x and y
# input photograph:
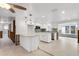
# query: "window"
{"type": "Point", "coordinates": [66, 29]}
{"type": "Point", "coordinates": [72, 29]}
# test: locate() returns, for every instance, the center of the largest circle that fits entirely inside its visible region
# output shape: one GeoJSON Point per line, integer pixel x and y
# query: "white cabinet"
{"type": "Point", "coordinates": [30, 43]}
{"type": "Point", "coordinates": [45, 36]}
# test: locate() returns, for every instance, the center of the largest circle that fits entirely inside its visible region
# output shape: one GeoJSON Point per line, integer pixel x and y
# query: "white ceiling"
{"type": "Point", "coordinates": [7, 13]}
{"type": "Point", "coordinates": [51, 11]}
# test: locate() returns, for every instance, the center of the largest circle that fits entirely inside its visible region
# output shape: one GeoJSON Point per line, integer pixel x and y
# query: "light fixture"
{"type": "Point", "coordinates": [63, 12]}
{"type": "Point", "coordinates": [43, 16]}
{"type": "Point", "coordinates": [4, 5]}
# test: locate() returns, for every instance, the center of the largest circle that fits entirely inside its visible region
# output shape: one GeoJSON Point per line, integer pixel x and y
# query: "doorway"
{"type": "Point", "coordinates": [5, 31]}
{"type": "Point", "coordinates": [6, 35]}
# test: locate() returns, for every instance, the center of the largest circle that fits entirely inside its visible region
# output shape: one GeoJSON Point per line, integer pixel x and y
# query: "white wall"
{"type": "Point", "coordinates": [21, 26]}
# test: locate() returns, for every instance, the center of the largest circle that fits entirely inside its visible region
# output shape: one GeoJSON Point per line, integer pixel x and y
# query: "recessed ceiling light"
{"type": "Point", "coordinates": [63, 12]}
{"type": "Point", "coordinates": [43, 16]}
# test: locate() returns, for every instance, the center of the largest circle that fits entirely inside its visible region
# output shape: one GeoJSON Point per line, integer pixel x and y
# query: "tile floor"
{"type": "Point", "coordinates": [7, 48]}
{"type": "Point", "coordinates": [62, 47]}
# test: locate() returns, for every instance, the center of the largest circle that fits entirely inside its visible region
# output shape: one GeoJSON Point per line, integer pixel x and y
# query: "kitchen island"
{"type": "Point", "coordinates": [29, 42]}
{"type": "Point", "coordinates": [44, 36]}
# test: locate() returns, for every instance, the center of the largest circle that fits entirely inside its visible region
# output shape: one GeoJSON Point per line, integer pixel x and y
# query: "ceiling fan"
{"type": "Point", "coordinates": [11, 7]}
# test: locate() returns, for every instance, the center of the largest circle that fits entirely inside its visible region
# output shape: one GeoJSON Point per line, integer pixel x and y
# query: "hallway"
{"type": "Point", "coordinates": [6, 42]}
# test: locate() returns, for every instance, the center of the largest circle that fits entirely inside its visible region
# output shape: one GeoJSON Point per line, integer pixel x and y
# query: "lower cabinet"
{"type": "Point", "coordinates": [29, 43]}
{"type": "Point", "coordinates": [45, 36]}
{"type": "Point", "coordinates": [17, 39]}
